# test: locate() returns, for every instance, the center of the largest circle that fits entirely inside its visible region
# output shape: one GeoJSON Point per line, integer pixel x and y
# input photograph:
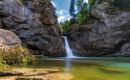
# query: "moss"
{"type": "Point", "coordinates": [89, 26]}
{"type": "Point", "coordinates": [15, 55]}
{"type": "Point", "coordinates": [12, 56]}
{"type": "Point", "coordinates": [4, 67]}
{"type": "Point", "coordinates": [45, 1]}
{"type": "Point", "coordinates": [29, 59]}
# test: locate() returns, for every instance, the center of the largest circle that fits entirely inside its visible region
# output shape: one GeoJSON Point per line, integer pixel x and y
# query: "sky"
{"type": "Point", "coordinates": [62, 9]}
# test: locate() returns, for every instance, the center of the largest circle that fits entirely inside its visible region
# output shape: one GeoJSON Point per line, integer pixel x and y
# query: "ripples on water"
{"type": "Point", "coordinates": [89, 68]}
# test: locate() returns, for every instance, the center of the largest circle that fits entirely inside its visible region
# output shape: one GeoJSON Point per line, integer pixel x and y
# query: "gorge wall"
{"type": "Point", "coordinates": [107, 32]}
{"type": "Point", "coordinates": [35, 22]}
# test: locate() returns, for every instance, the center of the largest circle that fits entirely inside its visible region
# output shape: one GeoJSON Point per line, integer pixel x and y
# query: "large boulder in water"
{"type": "Point", "coordinates": [35, 22]}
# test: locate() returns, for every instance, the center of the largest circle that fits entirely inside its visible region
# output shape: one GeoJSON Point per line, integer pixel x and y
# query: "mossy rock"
{"type": "Point", "coordinates": [14, 55]}
{"type": "Point", "coordinates": [11, 50]}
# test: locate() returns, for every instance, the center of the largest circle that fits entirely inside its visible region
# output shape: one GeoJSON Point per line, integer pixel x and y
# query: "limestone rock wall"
{"type": "Point", "coordinates": [105, 34]}
{"type": "Point", "coordinates": [35, 22]}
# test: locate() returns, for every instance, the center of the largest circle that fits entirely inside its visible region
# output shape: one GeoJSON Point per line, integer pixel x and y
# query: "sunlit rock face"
{"type": "Point", "coordinates": [106, 33]}
{"type": "Point", "coordinates": [34, 21]}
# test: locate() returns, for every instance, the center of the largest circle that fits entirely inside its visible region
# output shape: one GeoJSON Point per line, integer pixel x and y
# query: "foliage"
{"type": "Point", "coordinates": [83, 11]}
{"type": "Point", "coordinates": [43, 1]}
{"type": "Point", "coordinates": [79, 5]}
{"type": "Point", "coordinates": [82, 15]}
{"type": "Point", "coordinates": [72, 8]}
{"type": "Point", "coordinates": [91, 3]}
{"type": "Point", "coordinates": [65, 26]}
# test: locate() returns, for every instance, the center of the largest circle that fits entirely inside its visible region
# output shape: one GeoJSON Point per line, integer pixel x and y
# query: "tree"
{"type": "Point", "coordinates": [83, 13]}
{"type": "Point", "coordinates": [65, 26]}
{"type": "Point", "coordinates": [72, 8]}
{"type": "Point", "coordinates": [79, 4]}
{"type": "Point", "coordinates": [91, 3]}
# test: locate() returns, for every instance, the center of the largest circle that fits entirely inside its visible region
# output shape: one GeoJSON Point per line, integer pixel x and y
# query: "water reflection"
{"type": "Point", "coordinates": [68, 65]}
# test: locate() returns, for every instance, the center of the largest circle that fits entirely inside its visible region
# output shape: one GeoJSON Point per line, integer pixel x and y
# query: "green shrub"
{"type": "Point", "coordinates": [65, 26]}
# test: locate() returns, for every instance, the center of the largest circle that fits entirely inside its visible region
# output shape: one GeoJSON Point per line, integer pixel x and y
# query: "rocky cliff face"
{"type": "Point", "coordinates": [107, 33]}
{"type": "Point", "coordinates": [34, 21]}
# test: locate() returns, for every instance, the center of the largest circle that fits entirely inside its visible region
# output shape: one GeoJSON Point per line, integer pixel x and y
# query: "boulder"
{"type": "Point", "coordinates": [11, 49]}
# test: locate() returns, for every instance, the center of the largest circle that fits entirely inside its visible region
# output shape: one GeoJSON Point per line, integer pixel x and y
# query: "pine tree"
{"type": "Point", "coordinates": [79, 4]}
{"type": "Point", "coordinates": [72, 8]}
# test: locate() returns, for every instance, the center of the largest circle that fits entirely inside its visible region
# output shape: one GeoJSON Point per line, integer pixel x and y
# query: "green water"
{"type": "Point", "coordinates": [89, 68]}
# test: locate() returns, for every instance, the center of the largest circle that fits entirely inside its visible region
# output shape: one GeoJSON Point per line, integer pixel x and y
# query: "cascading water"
{"type": "Point", "coordinates": [68, 49]}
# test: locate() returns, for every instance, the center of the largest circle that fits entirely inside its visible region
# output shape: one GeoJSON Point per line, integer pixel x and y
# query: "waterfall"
{"type": "Point", "coordinates": [68, 49]}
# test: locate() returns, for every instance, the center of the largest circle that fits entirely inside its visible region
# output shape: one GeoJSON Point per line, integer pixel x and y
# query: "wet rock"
{"type": "Point", "coordinates": [35, 23]}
